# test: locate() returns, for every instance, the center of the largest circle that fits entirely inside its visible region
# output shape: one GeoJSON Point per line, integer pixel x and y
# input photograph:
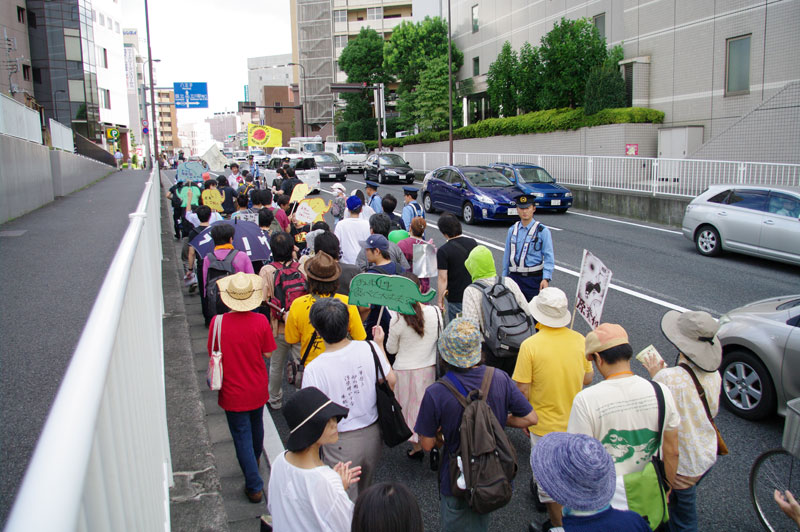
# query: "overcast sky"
{"type": "Point", "coordinates": [210, 40]}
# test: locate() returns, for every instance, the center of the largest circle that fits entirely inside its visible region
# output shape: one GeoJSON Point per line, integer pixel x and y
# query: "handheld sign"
{"type": "Point", "coordinates": [305, 213]}
{"type": "Point", "coordinates": [299, 192]}
{"type": "Point", "coordinates": [391, 291]}
{"type": "Point", "coordinates": [190, 171]}
{"type": "Point", "coordinates": [592, 289]}
{"type": "Point", "coordinates": [317, 205]}
{"type": "Point", "coordinates": [213, 199]}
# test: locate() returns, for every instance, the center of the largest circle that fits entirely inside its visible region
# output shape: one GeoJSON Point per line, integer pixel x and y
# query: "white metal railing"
{"type": "Point", "coordinates": [102, 461]}
{"type": "Point", "coordinates": [19, 121]}
{"type": "Point", "coordinates": [61, 136]}
{"type": "Point", "coordinates": [659, 177]}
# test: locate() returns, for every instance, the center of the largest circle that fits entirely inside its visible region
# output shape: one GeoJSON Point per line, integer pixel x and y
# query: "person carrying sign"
{"type": "Point", "coordinates": [528, 257]}
{"type": "Point", "coordinates": [411, 209]}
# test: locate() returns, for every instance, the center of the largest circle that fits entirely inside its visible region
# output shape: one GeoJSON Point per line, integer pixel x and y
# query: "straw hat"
{"type": "Point", "coordinates": [550, 307]}
{"type": "Point", "coordinates": [695, 335]}
{"type": "Point", "coordinates": [241, 291]}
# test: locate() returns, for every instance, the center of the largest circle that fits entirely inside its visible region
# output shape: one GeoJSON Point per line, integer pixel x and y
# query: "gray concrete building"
{"type": "Point", "coordinates": [16, 76]}
{"type": "Point", "coordinates": [266, 72]}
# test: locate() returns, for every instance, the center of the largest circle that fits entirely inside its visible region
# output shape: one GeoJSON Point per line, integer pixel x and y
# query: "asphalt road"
{"type": "Point", "coordinates": [655, 268]}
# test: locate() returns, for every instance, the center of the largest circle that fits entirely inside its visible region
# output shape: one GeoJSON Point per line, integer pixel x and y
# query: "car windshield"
{"type": "Point", "coordinates": [326, 158]}
{"type": "Point", "coordinates": [241, 154]}
{"type": "Point", "coordinates": [287, 151]}
{"type": "Point", "coordinates": [258, 152]}
{"type": "Point", "coordinates": [303, 163]}
{"type": "Point", "coordinates": [534, 175]}
{"type": "Point", "coordinates": [789, 304]}
{"type": "Point", "coordinates": [354, 147]}
{"type": "Point", "coordinates": [487, 178]}
{"type": "Point", "coordinates": [391, 159]}
{"type": "Point", "coordinates": [313, 147]}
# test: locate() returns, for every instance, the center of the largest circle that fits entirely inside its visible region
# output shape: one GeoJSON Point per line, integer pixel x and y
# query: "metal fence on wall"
{"type": "Point", "coordinates": [659, 177]}
{"type": "Point", "coordinates": [61, 136]}
{"type": "Point", "coordinates": [102, 461]}
{"type": "Point", "coordinates": [19, 120]}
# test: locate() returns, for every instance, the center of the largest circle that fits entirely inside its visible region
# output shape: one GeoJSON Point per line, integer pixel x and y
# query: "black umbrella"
{"type": "Point", "coordinates": [248, 238]}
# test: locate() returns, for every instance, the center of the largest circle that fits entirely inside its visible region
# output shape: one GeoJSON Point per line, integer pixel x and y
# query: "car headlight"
{"type": "Point", "coordinates": [537, 194]}
{"type": "Point", "coordinates": [484, 199]}
{"type": "Point", "coordinates": [568, 195]}
{"type": "Point", "coordinates": [391, 172]}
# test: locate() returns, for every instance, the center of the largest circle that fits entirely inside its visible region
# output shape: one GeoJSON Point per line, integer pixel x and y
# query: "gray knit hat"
{"type": "Point", "coordinates": [575, 470]}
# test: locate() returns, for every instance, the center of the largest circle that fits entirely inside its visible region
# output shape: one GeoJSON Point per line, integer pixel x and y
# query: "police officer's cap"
{"type": "Point", "coordinates": [372, 184]}
{"type": "Point", "coordinates": [526, 200]}
{"type": "Point", "coordinates": [411, 191]}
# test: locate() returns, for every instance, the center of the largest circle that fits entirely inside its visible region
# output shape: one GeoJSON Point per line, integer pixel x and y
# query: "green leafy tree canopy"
{"type": "Point", "coordinates": [528, 78]}
{"type": "Point", "coordinates": [362, 58]}
{"type": "Point", "coordinates": [502, 81]}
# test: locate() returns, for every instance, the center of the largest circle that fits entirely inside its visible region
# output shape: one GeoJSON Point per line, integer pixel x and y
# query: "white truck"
{"type": "Point", "coordinates": [307, 145]}
{"type": "Point", "coordinates": [352, 154]}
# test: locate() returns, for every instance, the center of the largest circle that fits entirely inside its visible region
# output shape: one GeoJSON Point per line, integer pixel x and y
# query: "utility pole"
{"type": "Point", "coordinates": [154, 124]}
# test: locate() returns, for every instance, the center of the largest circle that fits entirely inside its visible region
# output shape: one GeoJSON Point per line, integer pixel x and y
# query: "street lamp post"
{"type": "Point", "coordinates": [144, 104]}
{"type": "Point", "coordinates": [152, 87]}
{"type": "Point", "coordinates": [450, 80]}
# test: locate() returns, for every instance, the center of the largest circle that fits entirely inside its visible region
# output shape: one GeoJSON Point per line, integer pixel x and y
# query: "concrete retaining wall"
{"type": "Point", "coordinates": [634, 205]}
{"type": "Point", "coordinates": [32, 175]}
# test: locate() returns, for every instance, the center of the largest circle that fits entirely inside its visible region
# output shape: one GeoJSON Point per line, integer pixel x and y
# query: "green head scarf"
{"type": "Point", "coordinates": [480, 263]}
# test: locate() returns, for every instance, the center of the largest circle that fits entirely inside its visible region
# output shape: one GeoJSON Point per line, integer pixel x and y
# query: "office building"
{"type": "Point", "coordinates": [267, 71]}
{"type": "Point", "coordinates": [110, 66]}
{"type": "Point", "coordinates": [16, 74]}
{"type": "Point", "coordinates": [167, 122]}
{"type": "Point", "coordinates": [224, 126]}
{"type": "Point", "coordinates": [134, 83]}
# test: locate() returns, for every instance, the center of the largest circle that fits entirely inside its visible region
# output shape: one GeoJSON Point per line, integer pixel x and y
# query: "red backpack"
{"type": "Point", "coordinates": [289, 284]}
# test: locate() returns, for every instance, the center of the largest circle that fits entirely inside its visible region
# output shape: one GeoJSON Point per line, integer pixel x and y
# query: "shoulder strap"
{"type": "Point", "coordinates": [700, 391]}
{"type": "Point", "coordinates": [661, 412]}
{"type": "Point", "coordinates": [230, 256]}
{"type": "Point", "coordinates": [445, 381]}
{"type": "Point", "coordinates": [308, 348]}
{"type": "Point", "coordinates": [378, 367]}
{"type": "Point", "coordinates": [217, 338]}
{"type": "Point", "coordinates": [487, 382]}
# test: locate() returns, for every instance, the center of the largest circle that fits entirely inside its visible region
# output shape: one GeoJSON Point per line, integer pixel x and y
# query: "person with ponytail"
{"type": "Point", "coordinates": [413, 338]}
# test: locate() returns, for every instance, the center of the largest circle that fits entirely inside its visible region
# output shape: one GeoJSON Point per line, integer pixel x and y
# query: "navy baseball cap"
{"type": "Point", "coordinates": [372, 184]}
{"type": "Point", "coordinates": [376, 242]}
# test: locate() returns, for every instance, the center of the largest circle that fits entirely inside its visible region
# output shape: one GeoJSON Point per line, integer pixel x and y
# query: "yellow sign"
{"type": "Point", "coordinates": [299, 192]}
{"type": "Point", "coordinates": [311, 210]}
{"type": "Point", "coordinates": [112, 133]}
{"type": "Point", "coordinates": [264, 136]}
{"type": "Point", "coordinates": [213, 199]}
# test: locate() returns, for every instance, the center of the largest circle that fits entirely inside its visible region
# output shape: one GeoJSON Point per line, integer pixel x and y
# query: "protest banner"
{"type": "Point", "coordinates": [391, 291]}
{"type": "Point", "coordinates": [592, 289]}
{"type": "Point", "coordinates": [264, 136]}
{"type": "Point", "coordinates": [312, 210]}
{"type": "Point", "coordinates": [212, 198]}
{"type": "Point", "coordinates": [190, 171]}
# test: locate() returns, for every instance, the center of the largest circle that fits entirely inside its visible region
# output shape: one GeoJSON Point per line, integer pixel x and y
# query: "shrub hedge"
{"type": "Point", "coordinates": [547, 121]}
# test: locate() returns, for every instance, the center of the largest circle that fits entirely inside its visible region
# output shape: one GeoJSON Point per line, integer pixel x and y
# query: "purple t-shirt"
{"type": "Point", "coordinates": [241, 263]}
{"type": "Point", "coordinates": [440, 408]}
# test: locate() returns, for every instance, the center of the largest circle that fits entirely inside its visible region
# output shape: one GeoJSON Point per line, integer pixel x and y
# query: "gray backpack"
{"type": "Point", "coordinates": [505, 324]}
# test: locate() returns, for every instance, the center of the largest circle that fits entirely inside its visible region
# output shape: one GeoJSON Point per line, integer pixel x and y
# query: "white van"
{"type": "Point", "coordinates": [353, 154]}
{"type": "Point", "coordinates": [309, 145]}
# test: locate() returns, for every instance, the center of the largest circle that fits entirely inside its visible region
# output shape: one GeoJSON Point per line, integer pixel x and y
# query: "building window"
{"type": "Point", "coordinates": [737, 66]}
{"type": "Point", "coordinates": [474, 18]}
{"type": "Point", "coordinates": [110, 23]}
{"type": "Point", "coordinates": [21, 15]}
{"type": "Point", "coordinates": [476, 66]}
{"type": "Point", "coordinates": [32, 19]}
{"type": "Point", "coordinates": [72, 48]}
{"type": "Point", "coordinates": [340, 15]}
{"type": "Point", "coordinates": [599, 22]}
{"type": "Point", "coordinates": [94, 15]}
{"type": "Point", "coordinates": [340, 41]}
{"type": "Point", "coordinates": [102, 19]}
{"type": "Point", "coordinates": [37, 75]}
{"type": "Point", "coordinates": [116, 27]}
{"type": "Point", "coordinates": [26, 72]}
{"type": "Point", "coordinates": [374, 13]}
{"type": "Point", "coordinates": [103, 53]}
{"type": "Point", "coordinates": [105, 98]}
{"type": "Point", "coordinates": [278, 105]}
{"type": "Point", "coordinates": [76, 92]}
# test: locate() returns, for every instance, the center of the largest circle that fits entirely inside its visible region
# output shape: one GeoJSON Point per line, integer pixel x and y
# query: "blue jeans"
{"type": "Point", "coordinates": [455, 515]}
{"type": "Point", "coordinates": [683, 510]}
{"type": "Point", "coordinates": [453, 309]}
{"type": "Point", "coordinates": [247, 430]}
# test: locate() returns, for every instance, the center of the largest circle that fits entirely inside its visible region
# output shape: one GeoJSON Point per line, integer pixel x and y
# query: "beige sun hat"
{"type": "Point", "coordinates": [694, 333]}
{"type": "Point", "coordinates": [241, 291]}
{"type": "Point", "coordinates": [550, 307]}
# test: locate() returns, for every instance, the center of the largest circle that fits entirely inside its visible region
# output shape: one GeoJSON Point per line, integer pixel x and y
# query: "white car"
{"type": "Point", "coordinates": [305, 168]}
{"type": "Point", "coordinates": [755, 220]}
{"type": "Point", "coordinates": [260, 157]}
{"type": "Point", "coordinates": [283, 151]}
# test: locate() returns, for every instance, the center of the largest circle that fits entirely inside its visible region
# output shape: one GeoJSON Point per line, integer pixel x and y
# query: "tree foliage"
{"type": "Point", "coordinates": [357, 120]}
{"type": "Point", "coordinates": [502, 81]}
{"type": "Point", "coordinates": [362, 58]}
{"type": "Point", "coordinates": [605, 89]}
{"type": "Point", "coordinates": [431, 99]}
{"type": "Point", "coordinates": [568, 53]}
{"type": "Point", "coordinates": [528, 78]}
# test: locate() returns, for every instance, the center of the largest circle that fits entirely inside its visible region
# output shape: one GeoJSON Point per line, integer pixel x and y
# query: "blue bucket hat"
{"type": "Point", "coordinates": [460, 343]}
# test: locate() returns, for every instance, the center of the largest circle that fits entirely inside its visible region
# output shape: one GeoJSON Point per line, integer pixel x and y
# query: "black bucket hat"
{"type": "Point", "coordinates": [307, 413]}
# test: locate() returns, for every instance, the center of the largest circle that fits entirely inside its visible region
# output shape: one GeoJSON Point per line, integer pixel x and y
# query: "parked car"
{"type": "Point", "coordinates": [387, 167]}
{"type": "Point", "coordinates": [284, 151]}
{"type": "Point", "coordinates": [353, 154]}
{"type": "Point", "coordinates": [761, 356]}
{"type": "Point", "coordinates": [240, 157]}
{"type": "Point", "coordinates": [474, 192]}
{"type": "Point", "coordinates": [535, 180]}
{"type": "Point", "coordinates": [330, 166]}
{"type": "Point", "coordinates": [755, 220]}
{"type": "Point", "coordinates": [304, 167]}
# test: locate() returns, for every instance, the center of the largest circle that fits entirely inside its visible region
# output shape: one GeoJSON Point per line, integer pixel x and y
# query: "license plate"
{"type": "Point", "coordinates": [512, 212]}
{"type": "Point", "coordinates": [555, 202]}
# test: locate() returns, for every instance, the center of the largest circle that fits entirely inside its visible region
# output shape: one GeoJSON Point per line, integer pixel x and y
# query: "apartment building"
{"type": "Point", "coordinates": [16, 74]}
{"type": "Point", "coordinates": [167, 122]}
{"type": "Point", "coordinates": [224, 126]}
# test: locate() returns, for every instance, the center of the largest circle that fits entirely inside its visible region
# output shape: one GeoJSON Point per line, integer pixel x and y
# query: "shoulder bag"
{"type": "Point", "coordinates": [214, 372]}
{"type": "Point", "coordinates": [394, 430]}
{"type": "Point", "coordinates": [722, 448]}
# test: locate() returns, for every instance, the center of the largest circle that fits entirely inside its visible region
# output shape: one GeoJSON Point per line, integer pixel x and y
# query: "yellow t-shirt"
{"type": "Point", "coordinates": [299, 329]}
{"type": "Point", "coordinates": [552, 361]}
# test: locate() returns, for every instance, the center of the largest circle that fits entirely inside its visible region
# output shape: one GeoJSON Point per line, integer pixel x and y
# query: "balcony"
{"type": "Point", "coordinates": [379, 25]}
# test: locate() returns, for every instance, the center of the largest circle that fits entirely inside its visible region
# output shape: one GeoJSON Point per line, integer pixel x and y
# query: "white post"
{"type": "Point", "coordinates": [589, 162]}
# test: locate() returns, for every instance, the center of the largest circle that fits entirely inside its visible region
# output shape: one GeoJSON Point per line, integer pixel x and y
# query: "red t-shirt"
{"type": "Point", "coordinates": [245, 336]}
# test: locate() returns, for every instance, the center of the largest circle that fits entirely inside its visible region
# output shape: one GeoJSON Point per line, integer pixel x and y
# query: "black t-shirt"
{"type": "Point", "coordinates": [348, 272]}
{"type": "Point", "coordinates": [228, 199]}
{"type": "Point", "coordinates": [451, 257]}
{"type": "Point", "coordinates": [288, 185]}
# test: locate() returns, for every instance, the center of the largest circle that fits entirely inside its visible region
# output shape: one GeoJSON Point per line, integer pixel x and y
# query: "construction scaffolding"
{"type": "Point", "coordinates": [315, 47]}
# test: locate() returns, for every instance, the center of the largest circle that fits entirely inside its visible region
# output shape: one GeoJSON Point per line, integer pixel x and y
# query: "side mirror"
{"type": "Point", "coordinates": [458, 185]}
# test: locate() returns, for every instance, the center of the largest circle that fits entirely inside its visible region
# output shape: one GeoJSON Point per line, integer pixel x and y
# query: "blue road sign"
{"type": "Point", "coordinates": [145, 131]}
{"type": "Point", "coordinates": [191, 95]}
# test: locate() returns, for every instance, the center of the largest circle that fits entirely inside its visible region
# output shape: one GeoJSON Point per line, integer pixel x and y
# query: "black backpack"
{"type": "Point", "coordinates": [217, 269]}
{"type": "Point", "coordinates": [488, 458]}
{"type": "Point", "coordinates": [505, 324]}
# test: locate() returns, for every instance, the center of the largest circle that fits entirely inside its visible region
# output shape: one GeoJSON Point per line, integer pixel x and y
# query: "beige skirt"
{"type": "Point", "coordinates": [410, 387]}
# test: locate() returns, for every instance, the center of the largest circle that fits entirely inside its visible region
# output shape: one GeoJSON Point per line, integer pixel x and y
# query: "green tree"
{"type": "Point", "coordinates": [605, 88]}
{"type": "Point", "coordinates": [362, 58]}
{"type": "Point", "coordinates": [528, 78]}
{"type": "Point", "coordinates": [569, 52]}
{"type": "Point", "coordinates": [412, 46]}
{"type": "Point", "coordinates": [357, 120]}
{"type": "Point", "coordinates": [501, 81]}
{"type": "Point", "coordinates": [431, 98]}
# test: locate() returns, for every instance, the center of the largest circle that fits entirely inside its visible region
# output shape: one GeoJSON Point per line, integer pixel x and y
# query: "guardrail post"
{"type": "Point", "coordinates": [466, 159]}
{"type": "Point", "coordinates": [742, 172]}
{"type": "Point", "coordinates": [655, 177]}
{"type": "Point", "coordinates": [589, 164]}
{"type": "Point", "coordinates": [424, 161]}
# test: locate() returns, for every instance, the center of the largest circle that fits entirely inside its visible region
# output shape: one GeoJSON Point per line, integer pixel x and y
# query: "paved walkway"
{"type": "Point", "coordinates": [52, 263]}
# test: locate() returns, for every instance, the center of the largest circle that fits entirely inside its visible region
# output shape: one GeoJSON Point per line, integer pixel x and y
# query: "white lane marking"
{"type": "Point", "coordinates": [574, 273]}
{"type": "Point", "coordinates": [626, 223]}
{"type": "Point", "coordinates": [272, 444]}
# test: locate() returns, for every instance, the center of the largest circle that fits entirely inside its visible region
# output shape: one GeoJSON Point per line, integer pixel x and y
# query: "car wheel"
{"type": "Point", "coordinates": [747, 388]}
{"type": "Point", "coordinates": [427, 202]}
{"type": "Point", "coordinates": [707, 241]}
{"type": "Point", "coordinates": [381, 178]}
{"type": "Point", "coordinates": [468, 213]}
{"type": "Point", "coordinates": [343, 178]}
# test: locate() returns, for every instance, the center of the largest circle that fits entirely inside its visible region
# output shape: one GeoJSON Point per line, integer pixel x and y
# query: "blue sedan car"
{"type": "Point", "coordinates": [473, 192]}
{"type": "Point", "coordinates": [535, 180]}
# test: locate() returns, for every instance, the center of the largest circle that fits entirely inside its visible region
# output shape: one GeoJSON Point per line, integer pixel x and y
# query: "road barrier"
{"type": "Point", "coordinates": [682, 178]}
{"type": "Point", "coordinates": [102, 461]}
{"type": "Point", "coordinates": [61, 136]}
{"type": "Point", "coordinates": [18, 120]}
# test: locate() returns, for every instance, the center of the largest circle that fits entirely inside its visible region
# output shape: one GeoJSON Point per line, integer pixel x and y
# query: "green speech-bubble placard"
{"type": "Point", "coordinates": [392, 291]}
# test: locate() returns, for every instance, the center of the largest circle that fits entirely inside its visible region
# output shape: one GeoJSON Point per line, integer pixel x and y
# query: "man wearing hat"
{"type": "Point", "coordinates": [622, 410]}
{"type": "Point", "coordinates": [245, 339]}
{"type": "Point", "coordinates": [528, 256]}
{"type": "Point", "coordinates": [411, 209]}
{"type": "Point", "coordinates": [694, 334]}
{"type": "Point", "coordinates": [373, 199]}
{"type": "Point", "coordinates": [460, 350]}
{"type": "Point", "coordinates": [579, 474]}
{"type": "Point", "coordinates": [253, 167]}
{"type": "Point", "coordinates": [339, 202]}
{"type": "Point", "coordinates": [551, 369]}
{"type": "Point", "coordinates": [352, 230]}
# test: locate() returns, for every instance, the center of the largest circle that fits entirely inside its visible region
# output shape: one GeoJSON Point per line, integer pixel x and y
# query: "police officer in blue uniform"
{"type": "Point", "coordinates": [528, 257]}
{"type": "Point", "coordinates": [412, 209]}
{"type": "Point", "coordinates": [373, 199]}
{"type": "Point", "coordinates": [254, 170]}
